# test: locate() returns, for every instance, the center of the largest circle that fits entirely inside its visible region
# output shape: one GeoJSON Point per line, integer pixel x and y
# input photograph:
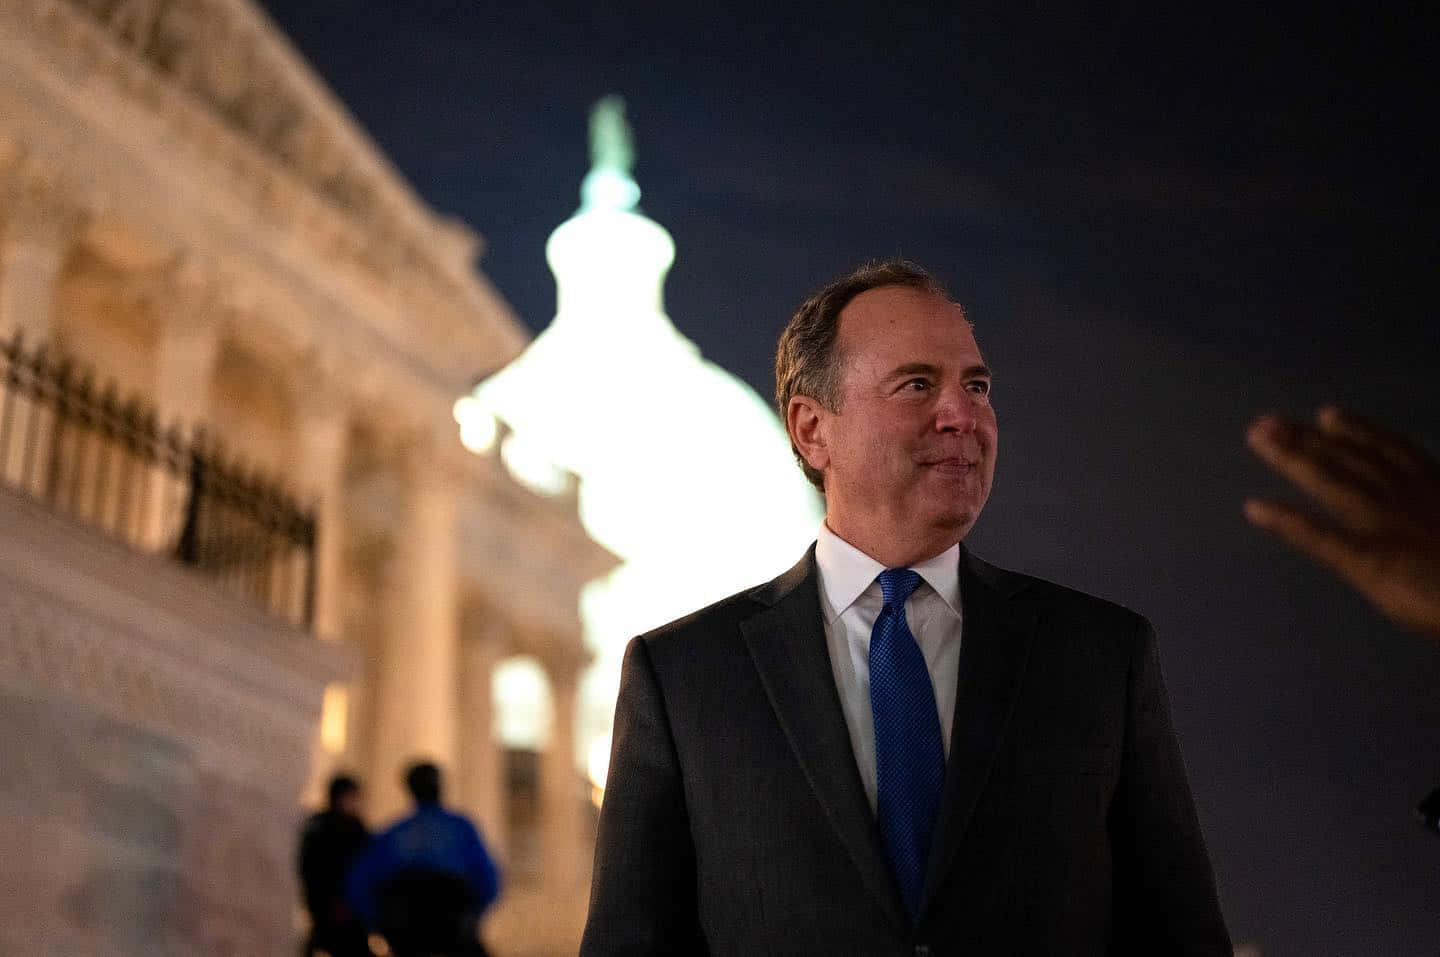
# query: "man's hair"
{"type": "Point", "coordinates": [341, 786]}
{"type": "Point", "coordinates": [423, 782]}
{"type": "Point", "coordinates": [807, 361]}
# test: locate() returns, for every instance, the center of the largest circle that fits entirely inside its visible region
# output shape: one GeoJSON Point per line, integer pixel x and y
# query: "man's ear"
{"type": "Point", "coordinates": [806, 420]}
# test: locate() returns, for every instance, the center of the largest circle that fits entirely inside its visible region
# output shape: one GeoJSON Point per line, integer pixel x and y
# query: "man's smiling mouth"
{"type": "Point", "coordinates": [956, 464]}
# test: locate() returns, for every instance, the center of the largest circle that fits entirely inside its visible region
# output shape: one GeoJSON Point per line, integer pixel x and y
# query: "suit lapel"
{"type": "Point", "coordinates": [787, 644]}
{"type": "Point", "coordinates": [995, 646]}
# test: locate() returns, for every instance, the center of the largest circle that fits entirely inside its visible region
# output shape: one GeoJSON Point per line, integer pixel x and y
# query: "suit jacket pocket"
{"type": "Point", "coordinates": [1066, 759]}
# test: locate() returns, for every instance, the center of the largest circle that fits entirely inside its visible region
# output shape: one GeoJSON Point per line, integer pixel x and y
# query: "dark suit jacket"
{"type": "Point", "coordinates": [735, 822]}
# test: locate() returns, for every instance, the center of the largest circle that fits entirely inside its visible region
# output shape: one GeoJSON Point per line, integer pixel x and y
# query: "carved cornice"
{"type": "Point", "coordinates": [564, 658]}
{"type": "Point", "coordinates": [189, 293]}
{"type": "Point", "coordinates": [39, 205]}
{"type": "Point", "coordinates": [227, 81]}
{"type": "Point", "coordinates": [428, 455]}
{"type": "Point", "coordinates": [324, 386]}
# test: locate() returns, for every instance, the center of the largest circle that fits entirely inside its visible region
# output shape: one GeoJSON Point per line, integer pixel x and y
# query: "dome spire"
{"type": "Point", "coordinates": [609, 184]}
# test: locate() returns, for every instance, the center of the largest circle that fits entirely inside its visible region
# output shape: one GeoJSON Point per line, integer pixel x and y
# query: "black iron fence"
{"type": "Point", "coordinates": [111, 464]}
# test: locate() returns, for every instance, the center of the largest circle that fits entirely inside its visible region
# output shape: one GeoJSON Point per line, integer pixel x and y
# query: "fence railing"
{"type": "Point", "coordinates": [111, 464]}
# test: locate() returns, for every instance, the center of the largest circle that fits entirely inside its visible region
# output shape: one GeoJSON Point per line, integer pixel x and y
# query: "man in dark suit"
{"type": "Point", "coordinates": [895, 747]}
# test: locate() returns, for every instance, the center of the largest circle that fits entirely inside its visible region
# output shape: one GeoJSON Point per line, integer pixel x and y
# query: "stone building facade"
{"type": "Point", "coordinates": [187, 210]}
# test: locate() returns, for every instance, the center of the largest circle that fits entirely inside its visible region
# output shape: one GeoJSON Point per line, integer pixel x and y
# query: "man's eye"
{"type": "Point", "coordinates": [980, 387]}
{"type": "Point", "coordinates": [918, 385]}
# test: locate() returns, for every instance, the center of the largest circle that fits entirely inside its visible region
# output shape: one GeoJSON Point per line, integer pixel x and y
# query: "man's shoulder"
{"type": "Point", "coordinates": [723, 618]}
{"type": "Point", "coordinates": [1055, 602]}
{"type": "Point", "coordinates": [459, 819]}
{"type": "Point", "coordinates": [717, 617]}
{"type": "Point", "coordinates": [315, 826]}
{"type": "Point", "coordinates": [399, 825]}
{"type": "Point", "coordinates": [325, 823]}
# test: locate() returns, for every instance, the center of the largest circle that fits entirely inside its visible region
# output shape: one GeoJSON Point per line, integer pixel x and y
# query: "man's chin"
{"type": "Point", "coordinates": [957, 516]}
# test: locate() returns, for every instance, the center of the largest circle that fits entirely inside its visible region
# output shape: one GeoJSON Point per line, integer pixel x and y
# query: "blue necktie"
{"type": "Point", "coordinates": [909, 753]}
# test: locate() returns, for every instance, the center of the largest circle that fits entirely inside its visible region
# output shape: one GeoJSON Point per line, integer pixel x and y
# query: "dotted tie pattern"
{"type": "Point", "coordinates": [909, 753]}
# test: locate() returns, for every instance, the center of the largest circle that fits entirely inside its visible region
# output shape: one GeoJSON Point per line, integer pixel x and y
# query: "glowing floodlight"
{"type": "Point", "coordinates": [478, 428]}
{"type": "Point", "coordinates": [597, 766]}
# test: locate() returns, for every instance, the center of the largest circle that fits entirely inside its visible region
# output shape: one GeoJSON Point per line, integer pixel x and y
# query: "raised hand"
{"type": "Point", "coordinates": [1381, 498]}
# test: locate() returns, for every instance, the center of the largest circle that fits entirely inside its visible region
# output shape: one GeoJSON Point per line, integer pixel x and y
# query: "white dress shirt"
{"type": "Point", "coordinates": [850, 601]}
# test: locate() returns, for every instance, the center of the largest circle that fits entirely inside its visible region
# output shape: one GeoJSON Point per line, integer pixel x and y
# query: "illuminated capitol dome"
{"type": "Point", "coordinates": [684, 471]}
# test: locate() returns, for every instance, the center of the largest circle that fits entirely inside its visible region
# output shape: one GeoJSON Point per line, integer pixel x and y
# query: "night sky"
{"type": "Point", "coordinates": [1162, 223]}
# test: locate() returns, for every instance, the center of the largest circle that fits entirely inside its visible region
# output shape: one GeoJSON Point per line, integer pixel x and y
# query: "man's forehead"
{"type": "Point", "coordinates": [882, 296]}
{"type": "Point", "coordinates": [887, 315]}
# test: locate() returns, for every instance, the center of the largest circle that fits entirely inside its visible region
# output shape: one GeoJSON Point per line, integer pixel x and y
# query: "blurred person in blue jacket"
{"type": "Point", "coordinates": [424, 883]}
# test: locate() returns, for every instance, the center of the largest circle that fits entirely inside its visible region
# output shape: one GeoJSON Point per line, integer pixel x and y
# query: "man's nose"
{"type": "Point", "coordinates": [955, 412]}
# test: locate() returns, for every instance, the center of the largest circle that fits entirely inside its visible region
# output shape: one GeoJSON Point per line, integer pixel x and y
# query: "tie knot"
{"type": "Point", "coordinates": [898, 584]}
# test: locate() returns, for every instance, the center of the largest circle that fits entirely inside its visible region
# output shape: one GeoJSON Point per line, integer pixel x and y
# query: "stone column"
{"type": "Point", "coordinates": [322, 425]}
{"type": "Point", "coordinates": [188, 301]}
{"type": "Point", "coordinates": [38, 230]}
{"type": "Point", "coordinates": [562, 787]}
{"type": "Point", "coordinates": [414, 701]}
{"type": "Point", "coordinates": [40, 227]}
{"type": "Point", "coordinates": [482, 769]}
{"type": "Point", "coordinates": [321, 428]}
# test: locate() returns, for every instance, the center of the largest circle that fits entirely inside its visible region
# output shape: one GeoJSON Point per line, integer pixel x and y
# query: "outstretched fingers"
{"type": "Point", "coordinates": [1326, 473]}
{"type": "Point", "coordinates": [1343, 551]}
{"type": "Point", "coordinates": [1392, 447]}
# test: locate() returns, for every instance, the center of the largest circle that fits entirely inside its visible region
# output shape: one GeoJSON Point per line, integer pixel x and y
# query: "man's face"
{"type": "Point", "coordinates": [350, 803]}
{"type": "Point", "coordinates": [910, 452]}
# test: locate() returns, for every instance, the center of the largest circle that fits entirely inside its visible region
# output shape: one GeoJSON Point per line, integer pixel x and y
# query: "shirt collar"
{"type": "Point", "coordinates": [846, 571]}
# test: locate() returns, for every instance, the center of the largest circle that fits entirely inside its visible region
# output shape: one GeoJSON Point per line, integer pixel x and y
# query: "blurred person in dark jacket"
{"type": "Point", "coordinates": [330, 843]}
{"type": "Point", "coordinates": [424, 883]}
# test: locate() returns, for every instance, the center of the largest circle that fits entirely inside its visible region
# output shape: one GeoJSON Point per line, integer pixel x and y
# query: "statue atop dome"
{"type": "Point", "coordinates": [609, 184]}
{"type": "Point", "coordinates": [611, 145]}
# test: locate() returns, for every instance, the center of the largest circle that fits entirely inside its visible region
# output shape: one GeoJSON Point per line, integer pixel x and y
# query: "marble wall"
{"type": "Point", "coordinates": [154, 736]}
